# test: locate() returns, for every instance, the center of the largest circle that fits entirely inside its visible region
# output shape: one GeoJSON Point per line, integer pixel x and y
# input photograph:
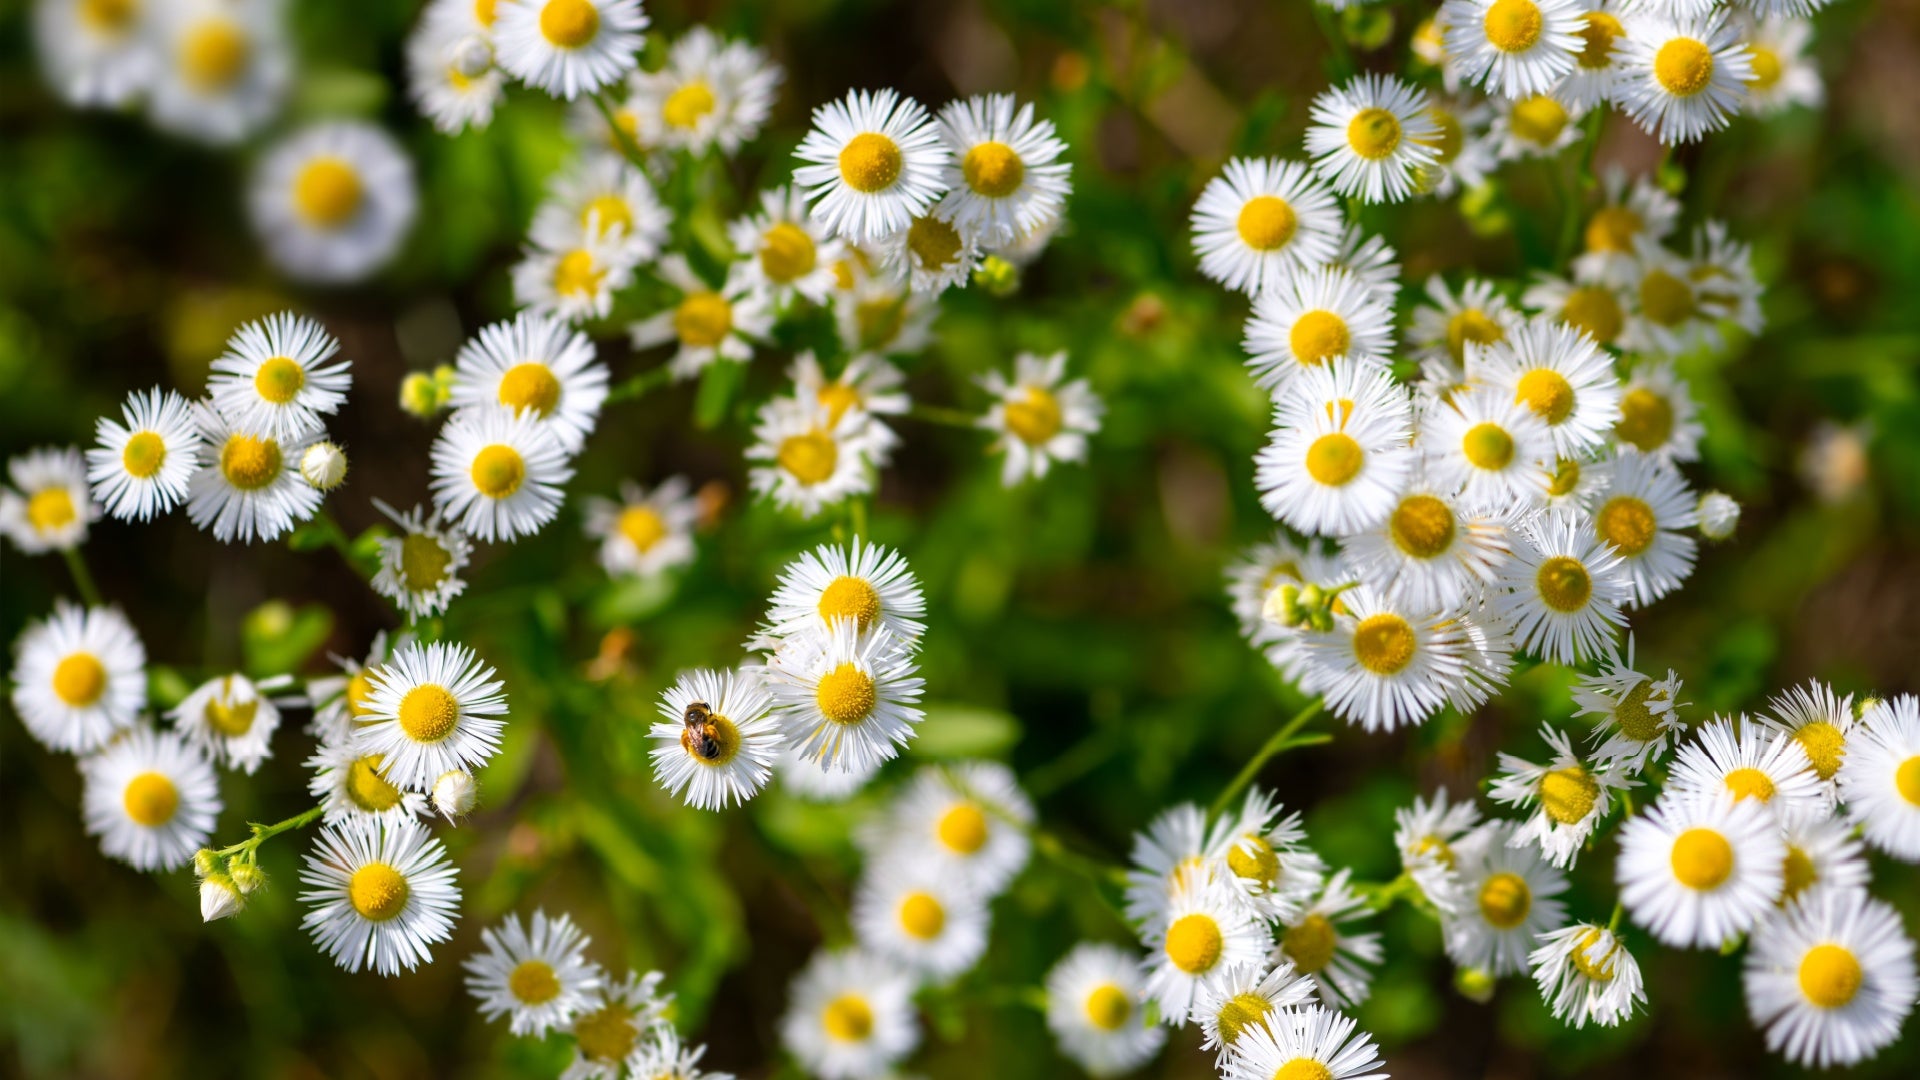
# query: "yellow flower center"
{"type": "Point", "coordinates": [1766, 67]}
{"type": "Point", "coordinates": [533, 982]}
{"type": "Point", "coordinates": [1318, 336]}
{"type": "Point", "coordinates": [921, 916]}
{"type": "Point", "coordinates": [483, 11]}
{"type": "Point", "coordinates": [1597, 34]}
{"type": "Point", "coordinates": [213, 54]}
{"type": "Point", "coordinates": [1335, 458]}
{"type": "Point", "coordinates": [1505, 900]}
{"type": "Point", "coordinates": [838, 398]}
{"type": "Point", "coordinates": [1108, 1007]}
{"type": "Point", "coordinates": [1797, 871]}
{"type": "Point", "coordinates": [1628, 524]}
{"type": "Point", "coordinates": [606, 1034]}
{"type": "Point", "coordinates": [1194, 943]}
{"type": "Point", "coordinates": [428, 713]}
{"type": "Point", "coordinates": [1594, 309]}
{"type": "Point", "coordinates": [849, 598]}
{"type": "Point", "coordinates": [1683, 66]}
{"type": "Point", "coordinates": [327, 192]}
{"type": "Point", "coordinates": [576, 274]}
{"type": "Point", "coordinates": [1421, 526]}
{"type": "Point", "coordinates": [249, 463]}
{"type": "Point", "coordinates": [1374, 134]}
{"type": "Point", "coordinates": [1613, 229]}
{"type": "Point", "coordinates": [703, 319]}
{"type": "Point", "coordinates": [1566, 477]}
{"type": "Point", "coordinates": [993, 169]}
{"type": "Point", "coordinates": [933, 243]}
{"type": "Point", "coordinates": [1563, 583]}
{"type": "Point", "coordinates": [531, 385]}
{"type": "Point", "coordinates": [642, 527]}
{"type": "Point", "coordinates": [108, 15]}
{"type": "Point", "coordinates": [1646, 420]}
{"type": "Point", "coordinates": [1906, 780]}
{"type": "Point", "coordinates": [279, 379]}
{"type": "Point", "coordinates": [423, 562]}
{"type": "Point", "coordinates": [1665, 300]}
{"type": "Point", "coordinates": [1701, 859]}
{"type": "Point", "coordinates": [610, 210]}
{"type": "Point", "coordinates": [358, 693]}
{"type": "Point", "coordinates": [1266, 223]}
{"type": "Point", "coordinates": [787, 253]}
{"type": "Point", "coordinates": [686, 106]}
{"type": "Point", "coordinates": [49, 509]}
{"type": "Point", "coordinates": [870, 162]}
{"type": "Point", "coordinates": [1471, 324]}
{"type": "Point", "coordinates": [143, 455]}
{"type": "Point", "coordinates": [723, 735]}
{"type": "Point", "coordinates": [1547, 393]}
{"type": "Point", "coordinates": [1449, 137]}
{"type": "Point", "coordinates": [1253, 859]}
{"type": "Point", "coordinates": [1242, 1011]}
{"type": "Point", "coordinates": [1603, 970]}
{"type": "Point", "coordinates": [232, 719]}
{"type": "Point", "coordinates": [1383, 643]}
{"type": "Point", "coordinates": [569, 24]}
{"type": "Point", "coordinates": [845, 694]}
{"type": "Point", "coordinates": [1830, 976]}
{"type": "Point", "coordinates": [809, 458]}
{"type": "Point", "coordinates": [1637, 722]}
{"type": "Point", "coordinates": [150, 800]}
{"type": "Point", "coordinates": [1310, 943]}
{"type": "Point", "coordinates": [1513, 25]}
{"type": "Point", "coordinates": [79, 679]}
{"type": "Point", "coordinates": [1036, 419]}
{"type": "Point", "coordinates": [963, 829]}
{"type": "Point", "coordinates": [1432, 844]}
{"type": "Point", "coordinates": [1302, 1069]}
{"type": "Point", "coordinates": [498, 470]}
{"type": "Point", "coordinates": [848, 1018]}
{"type": "Point", "coordinates": [378, 892]}
{"type": "Point", "coordinates": [1487, 446]}
{"type": "Point", "coordinates": [1825, 746]}
{"type": "Point", "coordinates": [367, 789]}
{"type": "Point", "coordinates": [1538, 119]}
{"type": "Point", "coordinates": [1568, 794]}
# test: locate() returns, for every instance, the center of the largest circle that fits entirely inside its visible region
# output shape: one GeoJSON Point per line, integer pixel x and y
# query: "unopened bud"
{"type": "Point", "coordinates": [471, 56]}
{"type": "Point", "coordinates": [324, 466]}
{"type": "Point", "coordinates": [1474, 984]}
{"type": "Point", "coordinates": [455, 793]}
{"type": "Point", "coordinates": [205, 862]}
{"type": "Point", "coordinates": [1282, 605]}
{"type": "Point", "coordinates": [998, 276]}
{"type": "Point", "coordinates": [247, 877]}
{"type": "Point", "coordinates": [219, 898]}
{"type": "Point", "coordinates": [420, 395]}
{"type": "Point", "coordinates": [1719, 515]}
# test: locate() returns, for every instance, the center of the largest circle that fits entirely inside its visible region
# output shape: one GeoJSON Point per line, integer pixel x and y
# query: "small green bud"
{"type": "Point", "coordinates": [419, 396]}
{"type": "Point", "coordinates": [1474, 984]}
{"type": "Point", "coordinates": [247, 877]}
{"type": "Point", "coordinates": [997, 276]}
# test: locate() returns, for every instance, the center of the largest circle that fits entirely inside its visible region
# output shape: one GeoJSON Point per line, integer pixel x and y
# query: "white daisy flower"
{"type": "Point", "coordinates": [613, 1025]}
{"type": "Point", "coordinates": [784, 252]}
{"type": "Point", "coordinates": [1822, 851]}
{"type": "Point", "coordinates": [48, 508]}
{"type": "Point", "coordinates": [1322, 946]}
{"type": "Point", "coordinates": [348, 784]}
{"type": "Point", "coordinates": [1783, 75]}
{"type": "Point", "coordinates": [1243, 1001]}
{"type": "Point", "coordinates": [644, 532]}
{"type": "Point", "coordinates": [1594, 308]}
{"type": "Point", "coordinates": [1039, 416]}
{"type": "Point", "coordinates": [1463, 154]}
{"type": "Point", "coordinates": [498, 475]}
{"type": "Point", "coordinates": [1513, 47]}
{"type": "Point", "coordinates": [79, 677]}
{"type": "Point", "coordinates": [846, 697]}
{"type": "Point", "coordinates": [1561, 376]}
{"type": "Point", "coordinates": [332, 202]}
{"type": "Point", "coordinates": [534, 365]}
{"type": "Point", "coordinates": [340, 701]}
{"type": "Point", "coordinates": [1595, 77]}
{"type": "Point", "coordinates": [1445, 325]}
{"type": "Point", "coordinates": [1430, 553]}
{"type": "Point", "coordinates": [812, 460]}
{"type": "Point", "coordinates": [576, 280]}
{"type": "Point", "coordinates": [1681, 78]}
{"type": "Point", "coordinates": [661, 1055]}
{"type": "Point", "coordinates": [569, 47]}
{"type": "Point", "coordinates": [1630, 209]}
{"type": "Point", "coordinates": [882, 316]}
{"type": "Point", "coordinates": [1371, 261]}
{"type": "Point", "coordinates": [1006, 177]}
{"type": "Point", "coordinates": [1567, 797]}
{"type": "Point", "coordinates": [1310, 316]}
{"type": "Point", "coordinates": [1577, 482]}
{"type": "Point", "coordinates": [1657, 414]}
{"type": "Point", "coordinates": [1514, 894]}
{"type": "Point", "coordinates": [863, 584]}
{"type": "Point", "coordinates": [1095, 1012]}
{"type": "Point", "coordinates": [1831, 978]}
{"type": "Point", "coordinates": [225, 67]}
{"type": "Point", "coordinates": [1820, 721]}
{"type": "Point", "coordinates": [1724, 280]}
{"type": "Point", "coordinates": [451, 76]}
{"type": "Point", "coordinates": [431, 709]}
{"type": "Point", "coordinates": [248, 486]}
{"type": "Point", "coordinates": [604, 194]}
{"type": "Point", "coordinates": [1563, 590]}
{"type": "Point", "coordinates": [931, 254]}
{"type": "Point", "coordinates": [873, 162]}
{"type": "Point", "coordinates": [1696, 871]}
{"type": "Point", "coordinates": [1640, 514]}
{"type": "Point", "coordinates": [1880, 777]}
{"type": "Point", "coordinates": [1206, 935]}
{"type": "Point", "coordinates": [230, 720]}
{"type": "Point", "coordinates": [140, 464]}
{"type": "Point", "coordinates": [1339, 453]}
{"type": "Point", "coordinates": [850, 1015]}
{"type": "Point", "coordinates": [866, 382]}
{"type": "Point", "coordinates": [420, 568]}
{"type": "Point", "coordinates": [1586, 973]}
{"type": "Point", "coordinates": [1389, 665]}
{"type": "Point", "coordinates": [1260, 219]}
{"type": "Point", "coordinates": [1539, 126]}
{"type": "Point", "coordinates": [964, 821]}
{"type": "Point", "coordinates": [1637, 713]}
{"type": "Point", "coordinates": [911, 914]}
{"type": "Point", "coordinates": [1488, 447]}
{"type": "Point", "coordinates": [95, 52]}
{"type": "Point", "coordinates": [1428, 835]}
{"type": "Point", "coordinates": [279, 377]}
{"type": "Point", "coordinates": [718, 743]}
{"type": "Point", "coordinates": [809, 780]}
{"type": "Point", "coordinates": [537, 976]}
{"type": "Point", "coordinates": [1373, 137]}
{"type": "Point", "coordinates": [707, 323]}
{"type": "Point", "coordinates": [711, 92]}
{"type": "Point", "coordinates": [1307, 1043]}
{"type": "Point", "coordinates": [1172, 848]}
{"type": "Point", "coordinates": [151, 798]}
{"type": "Point", "coordinates": [381, 893]}
{"type": "Point", "coordinates": [1266, 858]}
{"type": "Point", "coordinates": [1260, 569]}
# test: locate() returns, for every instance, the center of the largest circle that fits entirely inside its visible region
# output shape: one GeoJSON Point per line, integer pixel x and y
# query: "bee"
{"type": "Point", "coordinates": [700, 731]}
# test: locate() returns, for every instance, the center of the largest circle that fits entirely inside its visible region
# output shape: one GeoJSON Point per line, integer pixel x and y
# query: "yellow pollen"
{"type": "Point", "coordinates": [722, 732]}
{"type": "Point", "coordinates": [576, 274]}
{"type": "Point", "coordinates": [249, 463]}
{"type": "Point", "coordinates": [1487, 446]}
{"type": "Point", "coordinates": [1568, 794]}
{"type": "Point", "coordinates": [1539, 119]}
{"type": "Point", "coordinates": [1602, 971]}
{"type": "Point", "coordinates": [934, 243]}
{"type": "Point", "coordinates": [150, 800]}
{"type": "Point", "coordinates": [1318, 336]}
{"type": "Point", "coordinates": [1471, 324]}
{"type": "Point", "coordinates": [1766, 67]}
{"type": "Point", "coordinates": [1683, 66]}
{"type": "Point", "coordinates": [1566, 477]}
{"type": "Point", "coordinates": [1253, 859]}
{"type": "Point", "coordinates": [1513, 25]}
{"type": "Point", "coordinates": [1450, 137]}
{"type": "Point", "coordinates": [686, 106]}
{"type": "Point", "coordinates": [327, 192]}
{"type": "Point", "coordinates": [1421, 526]}
{"type": "Point", "coordinates": [838, 398]}
{"type": "Point", "coordinates": [483, 11]}
{"type": "Point", "coordinates": [845, 694]}
{"type": "Point", "coordinates": [1646, 420]}
{"type": "Point", "coordinates": [1194, 943]}
{"type": "Point", "coordinates": [642, 527]}
{"type": "Point", "coordinates": [213, 55]}
{"type": "Point", "coordinates": [1310, 943]}
{"type": "Point", "coordinates": [279, 379]}
{"type": "Point", "coordinates": [531, 385]}
{"type": "Point", "coordinates": [1266, 223]}
{"type": "Point", "coordinates": [1383, 643]}
{"type": "Point", "coordinates": [1374, 134]}
{"type": "Point", "coordinates": [848, 1018]}
{"type": "Point", "coordinates": [367, 789]}
{"type": "Point", "coordinates": [808, 458]}
{"type": "Point", "coordinates": [921, 916]}
{"type": "Point", "coordinates": [870, 162]}
{"type": "Point", "coordinates": [1830, 976]}
{"type": "Point", "coordinates": [1598, 33]}
{"type": "Point", "coordinates": [358, 693]}
{"type": "Point", "coordinates": [1665, 300]}
{"type": "Point", "coordinates": [1302, 1069]}
{"type": "Point", "coordinates": [1612, 229]}
{"type": "Point", "coordinates": [428, 713]}
{"type": "Point", "coordinates": [532, 982]}
{"type": "Point", "coordinates": [1563, 583]}
{"type": "Point", "coordinates": [1637, 722]}
{"type": "Point", "coordinates": [1432, 844]}
{"type": "Point", "coordinates": [1595, 310]}
{"type": "Point", "coordinates": [1335, 458]}
{"type": "Point", "coordinates": [144, 454]}
{"type": "Point", "coordinates": [1825, 746]}
{"type": "Point", "coordinates": [108, 15]}
{"type": "Point", "coordinates": [232, 719]}
{"type": "Point", "coordinates": [606, 1034]}
{"type": "Point", "coordinates": [1547, 393]}
{"type": "Point", "coordinates": [378, 892]}
{"type": "Point", "coordinates": [610, 210]}
{"type": "Point", "coordinates": [849, 598]}
{"type": "Point", "coordinates": [1242, 1011]}
{"type": "Point", "coordinates": [1797, 871]}
{"type": "Point", "coordinates": [79, 679]}
{"type": "Point", "coordinates": [1505, 900]}
{"type": "Point", "coordinates": [1628, 524]}
{"type": "Point", "coordinates": [1036, 419]}
{"type": "Point", "coordinates": [1108, 1007]}
{"type": "Point", "coordinates": [963, 829]}
{"type": "Point", "coordinates": [703, 320]}
{"type": "Point", "coordinates": [423, 562]}
{"type": "Point", "coordinates": [993, 169]}
{"type": "Point", "coordinates": [49, 509]}
{"type": "Point", "coordinates": [498, 470]}
{"type": "Point", "coordinates": [1906, 780]}
{"type": "Point", "coordinates": [569, 24]}
{"type": "Point", "coordinates": [1701, 859]}
{"type": "Point", "coordinates": [787, 253]}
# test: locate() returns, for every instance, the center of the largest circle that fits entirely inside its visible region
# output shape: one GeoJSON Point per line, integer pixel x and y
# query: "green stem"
{"type": "Point", "coordinates": [82, 577]}
{"type": "Point", "coordinates": [1274, 747]}
{"type": "Point", "coordinates": [935, 414]}
{"type": "Point", "coordinates": [264, 833]}
{"type": "Point", "coordinates": [630, 149]}
{"type": "Point", "coordinates": [641, 384]}
{"type": "Point", "coordinates": [1613, 922]}
{"type": "Point", "coordinates": [857, 517]}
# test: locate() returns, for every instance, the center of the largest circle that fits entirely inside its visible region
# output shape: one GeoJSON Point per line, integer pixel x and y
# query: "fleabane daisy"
{"type": "Point", "coordinates": [1631, 208]}
{"type": "Point", "coordinates": [48, 508]}
{"type": "Point", "coordinates": [1562, 590]}
{"type": "Point", "coordinates": [279, 376]}
{"type": "Point", "coordinates": [1261, 218]}
{"type": "Point", "coordinates": [1431, 551]}
{"type": "Point", "coordinates": [1266, 858]}
{"type": "Point", "coordinates": [151, 798]}
{"type": "Point", "coordinates": [1039, 416]}
{"type": "Point", "coordinates": [644, 532]}
{"type": "Point", "coordinates": [1339, 450]}
{"type": "Point", "coordinates": [1245, 1000]}
{"type": "Point", "coordinates": [1585, 972]}
{"type": "Point", "coordinates": [1449, 321]}
{"type": "Point", "coordinates": [784, 251]}
{"type": "Point", "coordinates": [451, 76]}
{"type": "Point", "coordinates": [1311, 316]}
{"type": "Point", "coordinates": [718, 742]}
{"type": "Point", "coordinates": [812, 460]}
{"type": "Point", "coordinates": [1696, 870]}
{"type": "Point", "coordinates": [1205, 936]}
{"type": "Point", "coordinates": [1821, 722]}
{"type": "Point", "coordinates": [872, 162]}
{"type": "Point", "coordinates": [1372, 262]}
{"type": "Point", "coordinates": [1682, 78]}
{"type": "Point", "coordinates": [1657, 414]}
{"type": "Point", "coordinates": [1428, 833]}
{"type": "Point", "coordinates": [1783, 75]}
{"type": "Point", "coordinates": [1640, 514]}
{"type": "Point", "coordinates": [231, 720]}
{"type": "Point", "coordinates": [1637, 713]}
{"type": "Point", "coordinates": [913, 915]}
{"type": "Point", "coordinates": [537, 975]}
{"type": "Point", "coordinates": [710, 93]}
{"type": "Point", "coordinates": [662, 1056]}
{"type": "Point", "coordinates": [1831, 979]}
{"type": "Point", "coordinates": [1880, 777]}
{"type": "Point", "coordinates": [707, 323]}
{"type": "Point", "coordinates": [1537, 126]}
{"type": "Point", "coordinates": [1323, 946]}
{"type": "Point", "coordinates": [575, 280]}
{"type": "Point", "coordinates": [847, 697]}
{"type": "Point", "coordinates": [1513, 47]}
{"type": "Point", "coordinates": [863, 583]}
{"type": "Point", "coordinates": [534, 365]}
{"type": "Point", "coordinates": [1306, 1043]}
{"type": "Point", "coordinates": [965, 821]}
{"type": "Point", "coordinates": [381, 892]}
{"type": "Point", "coordinates": [1095, 1012]}
{"type": "Point", "coordinates": [140, 464]}
{"type": "Point", "coordinates": [866, 382]}
{"type": "Point", "coordinates": [1389, 665]}
{"type": "Point", "coordinates": [606, 194]}
{"type": "Point", "coordinates": [1723, 278]}
{"type": "Point", "coordinates": [850, 1015]}
{"type": "Point", "coordinates": [1006, 177]}
{"type": "Point", "coordinates": [1561, 376]}
{"type": "Point", "coordinates": [1567, 797]}
{"type": "Point", "coordinates": [931, 254]}
{"type": "Point", "coordinates": [248, 486]}
{"type": "Point", "coordinates": [225, 66]}
{"type": "Point", "coordinates": [569, 47]}
{"type": "Point", "coordinates": [1172, 848]}
{"type": "Point", "coordinates": [1373, 138]}
{"type": "Point", "coordinates": [431, 709]}
{"type": "Point", "coordinates": [420, 568]}
{"type": "Point", "coordinates": [1595, 77]}
{"type": "Point", "coordinates": [1489, 448]}
{"type": "Point", "coordinates": [614, 1024]}
{"type": "Point", "coordinates": [340, 701]}
{"type": "Point", "coordinates": [876, 314]}
{"type": "Point", "coordinates": [1823, 853]}
{"type": "Point", "coordinates": [95, 52]}
{"type": "Point", "coordinates": [79, 677]}
{"type": "Point", "coordinates": [348, 783]}
{"type": "Point", "coordinates": [498, 475]}
{"type": "Point", "coordinates": [332, 202]}
{"type": "Point", "coordinates": [1512, 897]}
{"type": "Point", "coordinates": [1593, 308]}
{"type": "Point", "coordinates": [1463, 154]}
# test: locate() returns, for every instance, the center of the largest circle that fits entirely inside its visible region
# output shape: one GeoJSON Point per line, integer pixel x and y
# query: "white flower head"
{"type": "Point", "coordinates": [279, 377]}
{"type": "Point", "coordinates": [79, 677]}
{"type": "Point", "coordinates": [381, 892]}
{"type": "Point", "coordinates": [1697, 870]}
{"type": "Point", "coordinates": [1323, 946]}
{"type": "Point", "coordinates": [1681, 78]}
{"type": "Point", "coordinates": [498, 475]}
{"type": "Point", "coordinates": [348, 783]}
{"type": "Point", "coordinates": [429, 709]}
{"type": "Point", "coordinates": [537, 975]}
{"type": "Point", "coordinates": [225, 66]}
{"type": "Point", "coordinates": [1428, 834]}
{"type": "Point", "coordinates": [847, 697]}
{"type": "Point", "coordinates": [230, 719]}
{"type": "Point", "coordinates": [1585, 973]}
{"type": "Point", "coordinates": [863, 583]}
{"type": "Point", "coordinates": [966, 822]}
{"type": "Point", "coordinates": [785, 252]}
{"type": "Point", "coordinates": [710, 93]}
{"type": "Point", "coordinates": [1095, 1011]}
{"type": "Point", "coordinates": [1310, 316]}
{"type": "Point", "coordinates": [872, 162]}
{"type": "Point", "coordinates": [811, 459]}
{"type": "Point", "coordinates": [48, 507]}
{"type": "Point", "coordinates": [140, 464]}
{"type": "Point", "coordinates": [1006, 177]}
{"type": "Point", "coordinates": [575, 280]}
{"type": "Point", "coordinates": [248, 486]}
{"type": "Point", "coordinates": [645, 531]}
{"type": "Point", "coordinates": [534, 365]}
{"type": "Point", "coordinates": [1261, 218]}
{"type": "Point", "coordinates": [1040, 416]}
{"type": "Point", "coordinates": [605, 193]}
{"type": "Point", "coordinates": [1311, 1042]}
{"type": "Point", "coordinates": [1339, 452]}
{"type": "Point", "coordinates": [1373, 138]}
{"type": "Point", "coordinates": [95, 54]}
{"type": "Point", "coordinates": [850, 1015]}
{"type": "Point", "coordinates": [1513, 896]}
{"type": "Point", "coordinates": [1739, 757]}
{"type": "Point", "coordinates": [151, 798]}
{"type": "Point", "coordinates": [910, 913]}
{"type": "Point", "coordinates": [1513, 47]}
{"type": "Point", "coordinates": [1831, 978]}
{"type": "Point", "coordinates": [569, 47]}
{"type": "Point", "coordinates": [1880, 777]}
{"type": "Point", "coordinates": [1246, 1000]}
{"type": "Point", "coordinates": [1563, 590]}
{"type": "Point", "coordinates": [706, 323]}
{"type": "Point", "coordinates": [333, 202]}
{"type": "Point", "coordinates": [1567, 797]}
{"type": "Point", "coordinates": [718, 742]}
{"type": "Point", "coordinates": [1205, 935]}
{"type": "Point", "coordinates": [420, 568]}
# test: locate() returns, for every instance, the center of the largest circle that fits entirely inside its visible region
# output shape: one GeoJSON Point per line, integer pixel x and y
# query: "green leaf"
{"type": "Point", "coordinates": [276, 638]}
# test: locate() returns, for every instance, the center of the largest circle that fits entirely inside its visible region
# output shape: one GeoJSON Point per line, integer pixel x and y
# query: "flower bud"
{"type": "Point", "coordinates": [420, 395]}
{"type": "Point", "coordinates": [247, 877]}
{"type": "Point", "coordinates": [455, 793]}
{"type": "Point", "coordinates": [1719, 515]}
{"type": "Point", "coordinates": [1282, 606]}
{"type": "Point", "coordinates": [219, 898]}
{"type": "Point", "coordinates": [205, 862]}
{"type": "Point", "coordinates": [997, 276]}
{"type": "Point", "coordinates": [471, 56]}
{"type": "Point", "coordinates": [1473, 984]}
{"type": "Point", "coordinates": [324, 466]}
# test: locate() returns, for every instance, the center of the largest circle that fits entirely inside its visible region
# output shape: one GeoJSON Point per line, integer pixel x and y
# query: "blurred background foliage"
{"type": "Point", "coordinates": [1078, 627]}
